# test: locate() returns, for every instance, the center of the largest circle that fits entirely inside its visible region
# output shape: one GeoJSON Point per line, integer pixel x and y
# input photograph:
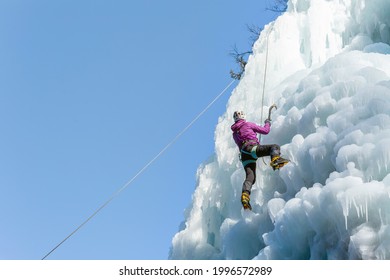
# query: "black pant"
{"type": "Point", "coordinates": [250, 168]}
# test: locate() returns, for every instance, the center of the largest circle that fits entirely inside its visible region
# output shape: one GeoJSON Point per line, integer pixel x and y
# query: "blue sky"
{"type": "Point", "coordinates": [90, 91]}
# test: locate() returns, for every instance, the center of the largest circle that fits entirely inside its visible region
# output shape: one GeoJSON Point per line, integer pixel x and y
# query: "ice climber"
{"type": "Point", "coordinates": [245, 136]}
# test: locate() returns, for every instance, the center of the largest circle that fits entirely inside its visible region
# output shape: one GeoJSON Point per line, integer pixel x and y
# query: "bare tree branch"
{"type": "Point", "coordinates": [239, 58]}
{"type": "Point", "coordinates": [279, 6]}
{"type": "Point", "coordinates": [255, 32]}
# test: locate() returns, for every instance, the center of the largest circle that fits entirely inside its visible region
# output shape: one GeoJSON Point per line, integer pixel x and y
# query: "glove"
{"type": "Point", "coordinates": [267, 121]}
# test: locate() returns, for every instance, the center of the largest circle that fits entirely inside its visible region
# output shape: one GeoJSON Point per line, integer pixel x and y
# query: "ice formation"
{"type": "Point", "coordinates": [328, 72]}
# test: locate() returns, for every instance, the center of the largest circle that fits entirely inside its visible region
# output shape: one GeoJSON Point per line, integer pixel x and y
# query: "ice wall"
{"type": "Point", "coordinates": [328, 72]}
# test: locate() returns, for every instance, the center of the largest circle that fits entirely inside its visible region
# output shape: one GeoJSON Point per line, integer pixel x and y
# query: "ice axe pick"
{"type": "Point", "coordinates": [270, 110]}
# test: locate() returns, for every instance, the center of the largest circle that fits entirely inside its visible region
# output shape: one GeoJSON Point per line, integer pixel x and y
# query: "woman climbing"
{"type": "Point", "coordinates": [245, 136]}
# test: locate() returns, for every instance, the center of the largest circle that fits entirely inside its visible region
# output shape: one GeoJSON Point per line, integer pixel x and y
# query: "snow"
{"type": "Point", "coordinates": [328, 73]}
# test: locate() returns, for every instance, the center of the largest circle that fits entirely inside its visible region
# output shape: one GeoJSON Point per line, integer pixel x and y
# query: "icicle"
{"type": "Point", "coordinates": [356, 207]}
{"type": "Point", "coordinates": [346, 212]}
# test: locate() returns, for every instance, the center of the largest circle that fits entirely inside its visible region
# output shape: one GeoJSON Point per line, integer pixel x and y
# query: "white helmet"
{"type": "Point", "coordinates": [238, 115]}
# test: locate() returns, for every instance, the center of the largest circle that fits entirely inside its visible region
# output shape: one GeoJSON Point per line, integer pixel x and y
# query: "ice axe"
{"type": "Point", "coordinates": [270, 110]}
{"type": "Point", "coordinates": [269, 118]}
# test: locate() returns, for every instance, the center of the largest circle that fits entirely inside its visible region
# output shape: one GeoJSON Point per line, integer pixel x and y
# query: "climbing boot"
{"type": "Point", "coordinates": [277, 162]}
{"type": "Point", "coordinates": [245, 198]}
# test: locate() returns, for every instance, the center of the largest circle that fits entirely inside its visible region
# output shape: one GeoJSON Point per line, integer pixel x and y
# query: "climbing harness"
{"type": "Point", "coordinates": [252, 153]}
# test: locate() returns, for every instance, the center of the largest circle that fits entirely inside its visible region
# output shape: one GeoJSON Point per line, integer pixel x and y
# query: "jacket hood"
{"type": "Point", "coordinates": [238, 124]}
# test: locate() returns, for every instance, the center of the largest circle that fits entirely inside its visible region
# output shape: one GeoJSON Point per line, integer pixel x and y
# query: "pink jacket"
{"type": "Point", "coordinates": [244, 131]}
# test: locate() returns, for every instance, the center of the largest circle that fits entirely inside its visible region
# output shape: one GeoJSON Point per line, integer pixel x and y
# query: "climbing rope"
{"type": "Point", "coordinates": [264, 80]}
{"type": "Point", "coordinates": [141, 170]}
{"type": "Point", "coordinates": [265, 72]}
